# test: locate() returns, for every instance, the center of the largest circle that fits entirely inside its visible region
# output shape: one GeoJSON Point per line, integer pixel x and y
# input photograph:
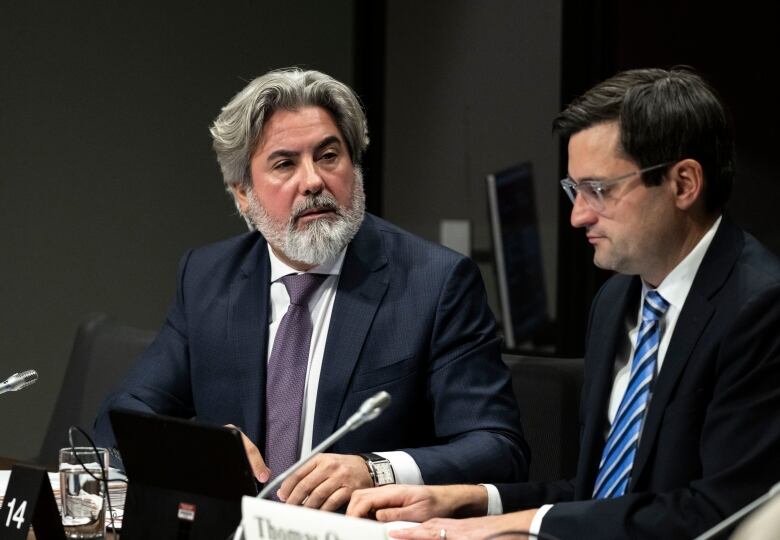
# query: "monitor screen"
{"type": "Point", "coordinates": [517, 253]}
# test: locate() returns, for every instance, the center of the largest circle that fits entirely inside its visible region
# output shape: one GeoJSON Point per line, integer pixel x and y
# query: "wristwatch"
{"type": "Point", "coordinates": [380, 469]}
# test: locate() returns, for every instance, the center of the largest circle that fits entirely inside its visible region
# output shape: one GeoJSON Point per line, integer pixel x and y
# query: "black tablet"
{"type": "Point", "coordinates": [186, 478]}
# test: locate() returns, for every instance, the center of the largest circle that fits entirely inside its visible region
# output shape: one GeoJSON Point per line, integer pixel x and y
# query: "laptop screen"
{"type": "Point", "coordinates": [182, 474]}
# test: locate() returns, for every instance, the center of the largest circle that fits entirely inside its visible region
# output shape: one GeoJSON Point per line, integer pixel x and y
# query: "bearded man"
{"type": "Point", "coordinates": [286, 330]}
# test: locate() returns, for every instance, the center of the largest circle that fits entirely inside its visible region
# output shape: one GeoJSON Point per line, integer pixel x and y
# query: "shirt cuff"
{"type": "Point", "coordinates": [495, 506]}
{"type": "Point", "coordinates": [405, 468]}
{"type": "Point", "coordinates": [536, 522]}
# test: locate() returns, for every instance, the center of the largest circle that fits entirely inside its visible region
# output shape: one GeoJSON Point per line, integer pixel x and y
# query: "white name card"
{"type": "Point", "coordinates": [269, 520]}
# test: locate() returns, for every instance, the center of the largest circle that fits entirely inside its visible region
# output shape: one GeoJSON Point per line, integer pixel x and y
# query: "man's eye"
{"type": "Point", "coordinates": [329, 156]}
{"type": "Point", "coordinates": [598, 189]}
{"type": "Point", "coordinates": [285, 164]}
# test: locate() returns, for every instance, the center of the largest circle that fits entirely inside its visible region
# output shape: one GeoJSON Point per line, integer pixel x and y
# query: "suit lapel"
{"type": "Point", "coordinates": [362, 285]}
{"type": "Point", "coordinates": [248, 337]}
{"type": "Point", "coordinates": [607, 331]}
{"type": "Point", "coordinates": [694, 317]}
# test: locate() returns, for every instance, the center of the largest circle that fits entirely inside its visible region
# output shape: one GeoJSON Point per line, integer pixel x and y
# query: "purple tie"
{"type": "Point", "coordinates": [287, 374]}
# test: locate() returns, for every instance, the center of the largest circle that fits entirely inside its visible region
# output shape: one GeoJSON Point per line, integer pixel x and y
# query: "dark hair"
{"type": "Point", "coordinates": [664, 116]}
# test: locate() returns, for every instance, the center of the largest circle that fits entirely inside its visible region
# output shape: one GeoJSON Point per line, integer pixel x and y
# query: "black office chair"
{"type": "Point", "coordinates": [102, 353]}
{"type": "Point", "coordinates": [548, 392]}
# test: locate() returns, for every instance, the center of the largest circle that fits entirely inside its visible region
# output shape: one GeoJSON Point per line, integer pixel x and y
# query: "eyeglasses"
{"type": "Point", "coordinates": [595, 192]}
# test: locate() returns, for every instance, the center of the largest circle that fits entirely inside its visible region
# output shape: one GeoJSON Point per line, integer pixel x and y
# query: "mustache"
{"type": "Point", "coordinates": [321, 201]}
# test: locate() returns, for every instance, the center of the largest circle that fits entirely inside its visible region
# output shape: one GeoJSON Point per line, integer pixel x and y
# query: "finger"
{"type": "Point", "coordinates": [259, 468]}
{"type": "Point", "coordinates": [319, 494]}
{"type": "Point", "coordinates": [394, 514]}
{"type": "Point", "coordinates": [360, 504]}
{"type": "Point", "coordinates": [303, 488]}
{"type": "Point", "coordinates": [292, 481]}
{"type": "Point", "coordinates": [366, 501]}
{"type": "Point", "coordinates": [433, 528]}
{"type": "Point", "coordinates": [363, 503]}
{"type": "Point", "coordinates": [337, 499]}
{"type": "Point", "coordinates": [255, 458]}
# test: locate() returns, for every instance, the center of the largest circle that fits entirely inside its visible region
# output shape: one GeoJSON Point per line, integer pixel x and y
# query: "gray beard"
{"type": "Point", "coordinates": [320, 240]}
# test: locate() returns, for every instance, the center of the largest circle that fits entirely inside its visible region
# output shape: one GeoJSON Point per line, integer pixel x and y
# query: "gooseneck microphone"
{"type": "Point", "coordinates": [17, 381]}
{"type": "Point", "coordinates": [370, 409]}
{"type": "Point", "coordinates": [736, 516]}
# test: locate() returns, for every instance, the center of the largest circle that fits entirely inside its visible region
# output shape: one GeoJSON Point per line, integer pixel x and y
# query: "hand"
{"type": "Point", "coordinates": [259, 469]}
{"type": "Point", "coordinates": [464, 529]}
{"type": "Point", "coordinates": [326, 482]}
{"type": "Point", "coordinates": [418, 503]}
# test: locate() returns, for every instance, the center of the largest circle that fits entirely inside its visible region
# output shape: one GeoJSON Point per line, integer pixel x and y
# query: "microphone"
{"type": "Point", "coordinates": [17, 381]}
{"type": "Point", "coordinates": [739, 514]}
{"type": "Point", "coordinates": [370, 409]}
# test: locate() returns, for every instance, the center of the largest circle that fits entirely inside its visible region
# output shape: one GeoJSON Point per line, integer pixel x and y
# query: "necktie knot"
{"type": "Point", "coordinates": [300, 287]}
{"type": "Point", "coordinates": [654, 307]}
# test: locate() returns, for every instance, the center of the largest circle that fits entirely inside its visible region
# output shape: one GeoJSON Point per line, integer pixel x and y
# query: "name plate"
{"type": "Point", "coordinates": [269, 520]}
{"type": "Point", "coordinates": [29, 500]}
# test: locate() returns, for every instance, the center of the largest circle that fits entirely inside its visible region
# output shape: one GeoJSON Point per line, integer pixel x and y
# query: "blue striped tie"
{"type": "Point", "coordinates": [620, 449]}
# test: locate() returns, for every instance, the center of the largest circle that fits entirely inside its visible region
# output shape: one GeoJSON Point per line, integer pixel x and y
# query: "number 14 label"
{"type": "Point", "coordinates": [16, 515]}
{"type": "Point", "coordinates": [29, 500]}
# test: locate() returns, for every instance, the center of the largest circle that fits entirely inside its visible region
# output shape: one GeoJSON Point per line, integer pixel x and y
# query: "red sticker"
{"type": "Point", "coordinates": [186, 511]}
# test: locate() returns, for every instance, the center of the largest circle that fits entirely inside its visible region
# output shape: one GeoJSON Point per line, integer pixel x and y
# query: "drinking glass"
{"type": "Point", "coordinates": [83, 491]}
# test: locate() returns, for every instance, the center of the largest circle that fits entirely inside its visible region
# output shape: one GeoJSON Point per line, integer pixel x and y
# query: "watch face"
{"type": "Point", "coordinates": [384, 474]}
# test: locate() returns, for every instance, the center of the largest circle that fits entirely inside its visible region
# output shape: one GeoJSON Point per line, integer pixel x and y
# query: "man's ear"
{"type": "Point", "coordinates": [240, 197]}
{"type": "Point", "coordinates": [687, 177]}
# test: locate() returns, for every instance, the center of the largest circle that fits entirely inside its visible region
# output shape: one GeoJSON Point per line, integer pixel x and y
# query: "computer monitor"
{"type": "Point", "coordinates": [517, 253]}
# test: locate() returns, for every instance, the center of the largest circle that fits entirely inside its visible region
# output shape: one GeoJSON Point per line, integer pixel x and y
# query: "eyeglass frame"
{"type": "Point", "coordinates": [598, 188]}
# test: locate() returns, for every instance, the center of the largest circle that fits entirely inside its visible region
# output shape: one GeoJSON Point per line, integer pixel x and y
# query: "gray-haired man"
{"type": "Point", "coordinates": [388, 311]}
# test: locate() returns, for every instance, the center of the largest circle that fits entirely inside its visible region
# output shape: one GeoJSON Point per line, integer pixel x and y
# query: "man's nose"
{"type": "Point", "coordinates": [582, 215]}
{"type": "Point", "coordinates": [311, 182]}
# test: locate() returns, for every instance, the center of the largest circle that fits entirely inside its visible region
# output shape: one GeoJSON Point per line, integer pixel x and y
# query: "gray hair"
{"type": "Point", "coordinates": [237, 129]}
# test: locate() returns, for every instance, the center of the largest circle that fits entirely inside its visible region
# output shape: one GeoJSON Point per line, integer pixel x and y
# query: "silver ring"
{"type": "Point", "coordinates": [443, 534]}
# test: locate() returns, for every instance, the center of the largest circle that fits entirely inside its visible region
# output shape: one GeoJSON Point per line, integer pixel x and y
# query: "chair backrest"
{"type": "Point", "coordinates": [102, 353]}
{"type": "Point", "coordinates": [548, 392]}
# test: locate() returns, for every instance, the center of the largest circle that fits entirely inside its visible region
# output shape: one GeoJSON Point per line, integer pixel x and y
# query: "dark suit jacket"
{"type": "Point", "coordinates": [410, 317]}
{"type": "Point", "coordinates": [711, 438]}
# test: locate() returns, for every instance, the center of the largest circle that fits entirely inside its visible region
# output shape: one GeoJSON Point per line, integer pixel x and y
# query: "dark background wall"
{"type": "Point", "coordinates": [470, 92]}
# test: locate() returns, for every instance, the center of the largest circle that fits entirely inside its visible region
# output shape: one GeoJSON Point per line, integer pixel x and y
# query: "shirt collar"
{"type": "Point", "coordinates": [279, 269]}
{"type": "Point", "coordinates": [676, 285]}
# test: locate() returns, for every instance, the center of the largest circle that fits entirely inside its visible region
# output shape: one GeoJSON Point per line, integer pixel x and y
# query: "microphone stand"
{"type": "Point", "coordinates": [370, 409]}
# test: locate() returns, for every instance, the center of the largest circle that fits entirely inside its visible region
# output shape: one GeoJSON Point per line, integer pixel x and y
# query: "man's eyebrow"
{"type": "Point", "coordinates": [327, 141]}
{"type": "Point", "coordinates": [597, 179]}
{"type": "Point", "coordinates": [281, 153]}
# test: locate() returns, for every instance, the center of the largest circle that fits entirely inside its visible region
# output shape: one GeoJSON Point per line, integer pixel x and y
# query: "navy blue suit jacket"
{"type": "Point", "coordinates": [410, 317]}
{"type": "Point", "coordinates": [711, 439]}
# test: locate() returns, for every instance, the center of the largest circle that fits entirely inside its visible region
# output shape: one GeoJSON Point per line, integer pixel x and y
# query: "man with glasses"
{"type": "Point", "coordinates": [679, 410]}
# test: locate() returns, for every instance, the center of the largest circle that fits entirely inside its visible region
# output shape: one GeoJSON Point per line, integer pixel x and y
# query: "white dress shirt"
{"type": "Point", "coordinates": [321, 307]}
{"type": "Point", "coordinates": [674, 289]}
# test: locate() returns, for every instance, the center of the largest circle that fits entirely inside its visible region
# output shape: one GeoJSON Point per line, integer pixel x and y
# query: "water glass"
{"type": "Point", "coordinates": [83, 491]}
